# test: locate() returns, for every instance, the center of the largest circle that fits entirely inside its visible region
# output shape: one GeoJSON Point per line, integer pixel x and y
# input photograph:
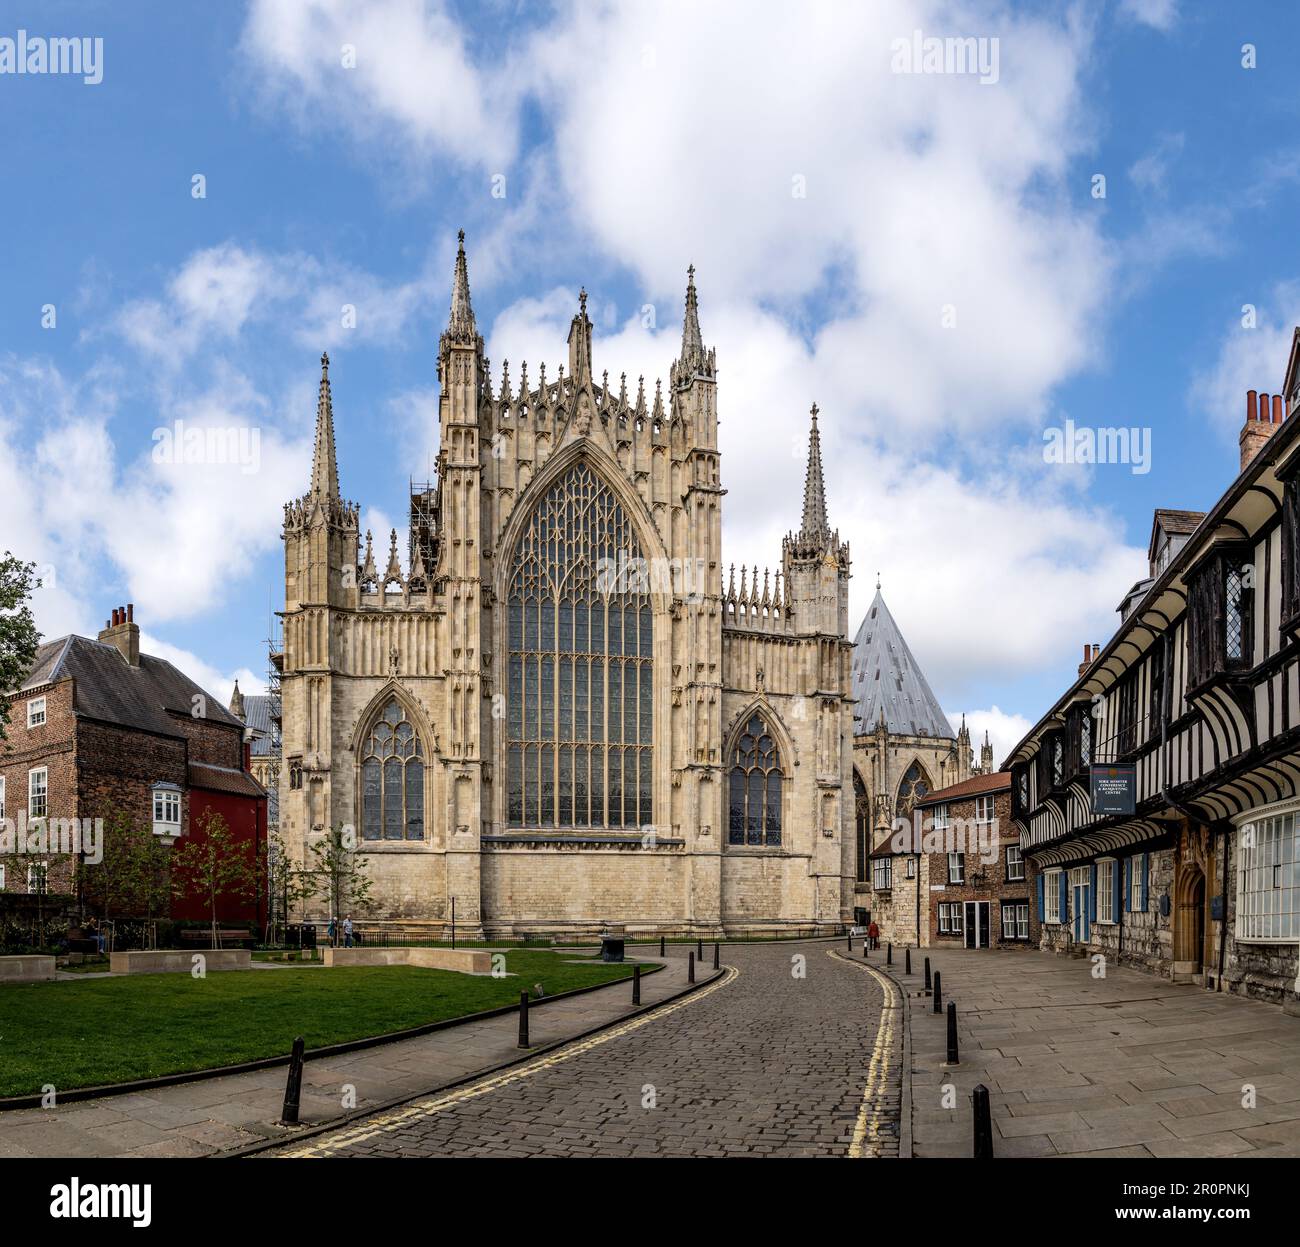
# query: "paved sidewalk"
{"type": "Point", "coordinates": [1129, 1065]}
{"type": "Point", "coordinates": [219, 1114]}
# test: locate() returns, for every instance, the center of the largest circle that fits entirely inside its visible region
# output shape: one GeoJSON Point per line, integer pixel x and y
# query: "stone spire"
{"type": "Point", "coordinates": [324, 464]}
{"type": "Point", "coordinates": [580, 345]}
{"type": "Point", "coordinates": [237, 702]}
{"type": "Point", "coordinates": [815, 525]}
{"type": "Point", "coordinates": [695, 360]}
{"type": "Point", "coordinates": [460, 324]}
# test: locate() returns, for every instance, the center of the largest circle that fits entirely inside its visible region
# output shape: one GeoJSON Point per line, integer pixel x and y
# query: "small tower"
{"type": "Point", "coordinates": [693, 380]}
{"type": "Point", "coordinates": [815, 561]}
{"type": "Point", "coordinates": [320, 528]}
{"type": "Point", "coordinates": [986, 755]}
{"type": "Point", "coordinates": [237, 703]}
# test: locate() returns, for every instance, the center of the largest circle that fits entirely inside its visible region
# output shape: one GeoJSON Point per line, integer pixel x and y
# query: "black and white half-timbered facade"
{"type": "Point", "coordinates": [1198, 691]}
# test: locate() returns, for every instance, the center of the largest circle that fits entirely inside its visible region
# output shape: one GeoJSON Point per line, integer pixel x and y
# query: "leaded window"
{"type": "Point", "coordinates": [755, 787]}
{"type": "Point", "coordinates": [1234, 614]}
{"type": "Point", "coordinates": [914, 787]}
{"type": "Point", "coordinates": [580, 667]}
{"type": "Point", "coordinates": [862, 819]}
{"type": "Point", "coordinates": [392, 778]}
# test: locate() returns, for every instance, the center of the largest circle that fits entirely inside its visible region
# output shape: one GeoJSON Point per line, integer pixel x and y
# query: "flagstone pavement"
{"type": "Point", "coordinates": [1129, 1065]}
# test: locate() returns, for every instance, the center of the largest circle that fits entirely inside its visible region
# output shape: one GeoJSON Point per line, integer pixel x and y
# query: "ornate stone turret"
{"type": "Point", "coordinates": [237, 702]}
{"type": "Point", "coordinates": [816, 562]}
{"type": "Point", "coordinates": [324, 463]}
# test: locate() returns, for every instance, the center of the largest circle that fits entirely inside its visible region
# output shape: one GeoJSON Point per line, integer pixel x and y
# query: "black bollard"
{"type": "Point", "coordinates": [952, 1034]}
{"type": "Point", "coordinates": [866, 946]}
{"type": "Point", "coordinates": [523, 1019]}
{"type": "Point", "coordinates": [699, 951]}
{"type": "Point", "coordinates": [889, 954]}
{"type": "Point", "coordinates": [907, 968]}
{"type": "Point", "coordinates": [938, 994]}
{"type": "Point", "coordinates": [661, 945]}
{"type": "Point", "coordinates": [983, 1124]}
{"type": "Point", "coordinates": [293, 1085]}
{"type": "Point", "coordinates": [927, 976]}
{"type": "Point", "coordinates": [849, 938]}
{"type": "Point", "coordinates": [690, 967]}
{"type": "Point", "coordinates": [716, 963]}
{"type": "Point", "coordinates": [636, 985]}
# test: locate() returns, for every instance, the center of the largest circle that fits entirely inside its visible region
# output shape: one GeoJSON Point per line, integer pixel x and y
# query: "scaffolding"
{"type": "Point", "coordinates": [424, 527]}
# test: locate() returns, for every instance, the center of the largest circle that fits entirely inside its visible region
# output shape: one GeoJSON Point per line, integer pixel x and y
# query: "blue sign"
{"type": "Point", "coordinates": [1114, 789]}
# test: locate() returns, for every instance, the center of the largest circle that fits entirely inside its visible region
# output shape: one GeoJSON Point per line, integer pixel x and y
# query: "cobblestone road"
{"type": "Point", "coordinates": [764, 1062]}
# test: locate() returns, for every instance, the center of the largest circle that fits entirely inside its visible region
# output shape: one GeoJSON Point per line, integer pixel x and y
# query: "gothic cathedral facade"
{"type": "Point", "coordinates": [560, 711]}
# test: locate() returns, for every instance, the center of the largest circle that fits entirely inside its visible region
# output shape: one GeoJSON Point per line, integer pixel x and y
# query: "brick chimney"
{"type": "Point", "coordinates": [1090, 653]}
{"type": "Point", "coordinates": [122, 632]}
{"type": "Point", "coordinates": [1264, 415]}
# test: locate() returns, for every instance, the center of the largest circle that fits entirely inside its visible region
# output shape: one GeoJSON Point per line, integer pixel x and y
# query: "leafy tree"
{"type": "Point", "coordinates": [214, 865]}
{"type": "Point", "coordinates": [18, 635]}
{"type": "Point", "coordinates": [290, 887]}
{"type": "Point", "coordinates": [340, 872]}
{"type": "Point", "coordinates": [132, 878]}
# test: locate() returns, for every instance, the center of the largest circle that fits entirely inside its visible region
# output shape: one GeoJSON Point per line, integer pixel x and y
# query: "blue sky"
{"type": "Point", "coordinates": [633, 141]}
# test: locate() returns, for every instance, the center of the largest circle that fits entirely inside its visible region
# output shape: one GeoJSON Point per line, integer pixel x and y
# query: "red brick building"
{"type": "Point", "coordinates": [978, 888]}
{"type": "Point", "coordinates": [97, 729]}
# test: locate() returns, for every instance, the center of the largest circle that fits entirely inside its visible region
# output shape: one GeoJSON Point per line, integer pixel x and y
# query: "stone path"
{"type": "Point", "coordinates": [220, 1114]}
{"type": "Point", "coordinates": [1129, 1065]}
{"type": "Point", "coordinates": [766, 1062]}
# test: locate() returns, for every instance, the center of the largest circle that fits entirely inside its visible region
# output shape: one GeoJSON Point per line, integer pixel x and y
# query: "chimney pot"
{"type": "Point", "coordinates": [1277, 409]}
{"type": "Point", "coordinates": [130, 612]}
{"type": "Point", "coordinates": [1251, 408]}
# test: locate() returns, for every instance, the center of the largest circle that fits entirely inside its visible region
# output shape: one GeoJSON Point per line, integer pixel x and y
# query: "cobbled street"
{"type": "Point", "coordinates": [786, 1056]}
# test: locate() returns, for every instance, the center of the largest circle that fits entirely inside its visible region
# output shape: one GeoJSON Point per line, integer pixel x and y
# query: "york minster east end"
{"type": "Point", "coordinates": [506, 724]}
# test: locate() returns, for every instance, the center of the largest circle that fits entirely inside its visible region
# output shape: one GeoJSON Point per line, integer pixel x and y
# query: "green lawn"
{"type": "Point", "coordinates": [78, 1034]}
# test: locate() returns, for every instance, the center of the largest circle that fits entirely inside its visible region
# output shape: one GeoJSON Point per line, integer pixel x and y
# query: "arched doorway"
{"type": "Point", "coordinates": [1189, 923]}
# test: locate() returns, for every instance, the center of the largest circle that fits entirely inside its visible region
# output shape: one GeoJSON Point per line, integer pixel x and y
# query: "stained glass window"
{"type": "Point", "coordinates": [914, 787]}
{"type": "Point", "coordinates": [579, 669]}
{"type": "Point", "coordinates": [754, 797]}
{"type": "Point", "coordinates": [862, 817]}
{"type": "Point", "coordinates": [392, 779]}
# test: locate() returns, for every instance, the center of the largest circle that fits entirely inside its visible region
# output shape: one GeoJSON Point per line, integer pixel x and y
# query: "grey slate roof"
{"type": "Point", "coordinates": [257, 715]}
{"type": "Point", "coordinates": [886, 677]}
{"type": "Point", "coordinates": [110, 690]}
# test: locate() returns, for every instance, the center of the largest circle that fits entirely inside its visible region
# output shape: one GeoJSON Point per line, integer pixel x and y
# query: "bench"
{"type": "Point", "coordinates": [226, 938]}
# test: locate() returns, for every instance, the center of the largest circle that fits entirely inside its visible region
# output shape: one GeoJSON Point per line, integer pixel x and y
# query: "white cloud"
{"type": "Point", "coordinates": [1248, 359]}
{"type": "Point", "coordinates": [1158, 14]}
{"type": "Point", "coordinates": [1004, 730]}
{"type": "Point", "coordinates": [411, 78]}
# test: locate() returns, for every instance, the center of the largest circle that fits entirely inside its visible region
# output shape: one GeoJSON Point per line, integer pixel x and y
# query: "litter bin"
{"type": "Point", "coordinates": [612, 941]}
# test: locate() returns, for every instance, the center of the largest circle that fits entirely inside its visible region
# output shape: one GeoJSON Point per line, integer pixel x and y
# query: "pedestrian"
{"type": "Point", "coordinates": [873, 934]}
{"type": "Point", "coordinates": [333, 933]}
{"type": "Point", "coordinates": [347, 931]}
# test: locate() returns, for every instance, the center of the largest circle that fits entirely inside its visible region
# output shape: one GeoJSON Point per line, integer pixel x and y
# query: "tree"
{"type": "Point", "coordinates": [214, 865]}
{"type": "Point", "coordinates": [340, 871]}
{"type": "Point", "coordinates": [288, 887]}
{"type": "Point", "coordinates": [18, 635]}
{"type": "Point", "coordinates": [132, 878]}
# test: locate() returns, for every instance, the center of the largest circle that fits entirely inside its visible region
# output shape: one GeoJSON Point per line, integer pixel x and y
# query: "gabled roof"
{"type": "Point", "coordinates": [1175, 523]}
{"type": "Point", "coordinates": [110, 690]}
{"type": "Point", "coordinates": [888, 680]}
{"type": "Point", "coordinates": [977, 785]}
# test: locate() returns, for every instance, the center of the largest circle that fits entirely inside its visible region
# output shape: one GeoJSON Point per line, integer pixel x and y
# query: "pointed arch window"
{"type": "Point", "coordinates": [755, 787]}
{"type": "Point", "coordinates": [914, 786]}
{"type": "Point", "coordinates": [862, 819]}
{"type": "Point", "coordinates": [580, 667]}
{"type": "Point", "coordinates": [392, 778]}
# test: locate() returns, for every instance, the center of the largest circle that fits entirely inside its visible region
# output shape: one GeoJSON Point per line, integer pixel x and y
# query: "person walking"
{"type": "Point", "coordinates": [347, 931]}
{"type": "Point", "coordinates": [873, 934]}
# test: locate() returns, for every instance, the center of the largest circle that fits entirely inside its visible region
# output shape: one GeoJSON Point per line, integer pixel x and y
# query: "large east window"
{"type": "Point", "coordinates": [579, 675]}
{"type": "Point", "coordinates": [392, 778]}
{"type": "Point", "coordinates": [1268, 878]}
{"type": "Point", "coordinates": [754, 787]}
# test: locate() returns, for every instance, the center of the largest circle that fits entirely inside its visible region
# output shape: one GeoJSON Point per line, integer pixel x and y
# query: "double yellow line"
{"type": "Point", "coordinates": [347, 1137]}
{"type": "Point", "coordinates": [866, 1140]}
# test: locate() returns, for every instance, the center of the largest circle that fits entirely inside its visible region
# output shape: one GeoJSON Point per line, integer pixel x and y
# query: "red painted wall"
{"type": "Point", "coordinates": [246, 818]}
